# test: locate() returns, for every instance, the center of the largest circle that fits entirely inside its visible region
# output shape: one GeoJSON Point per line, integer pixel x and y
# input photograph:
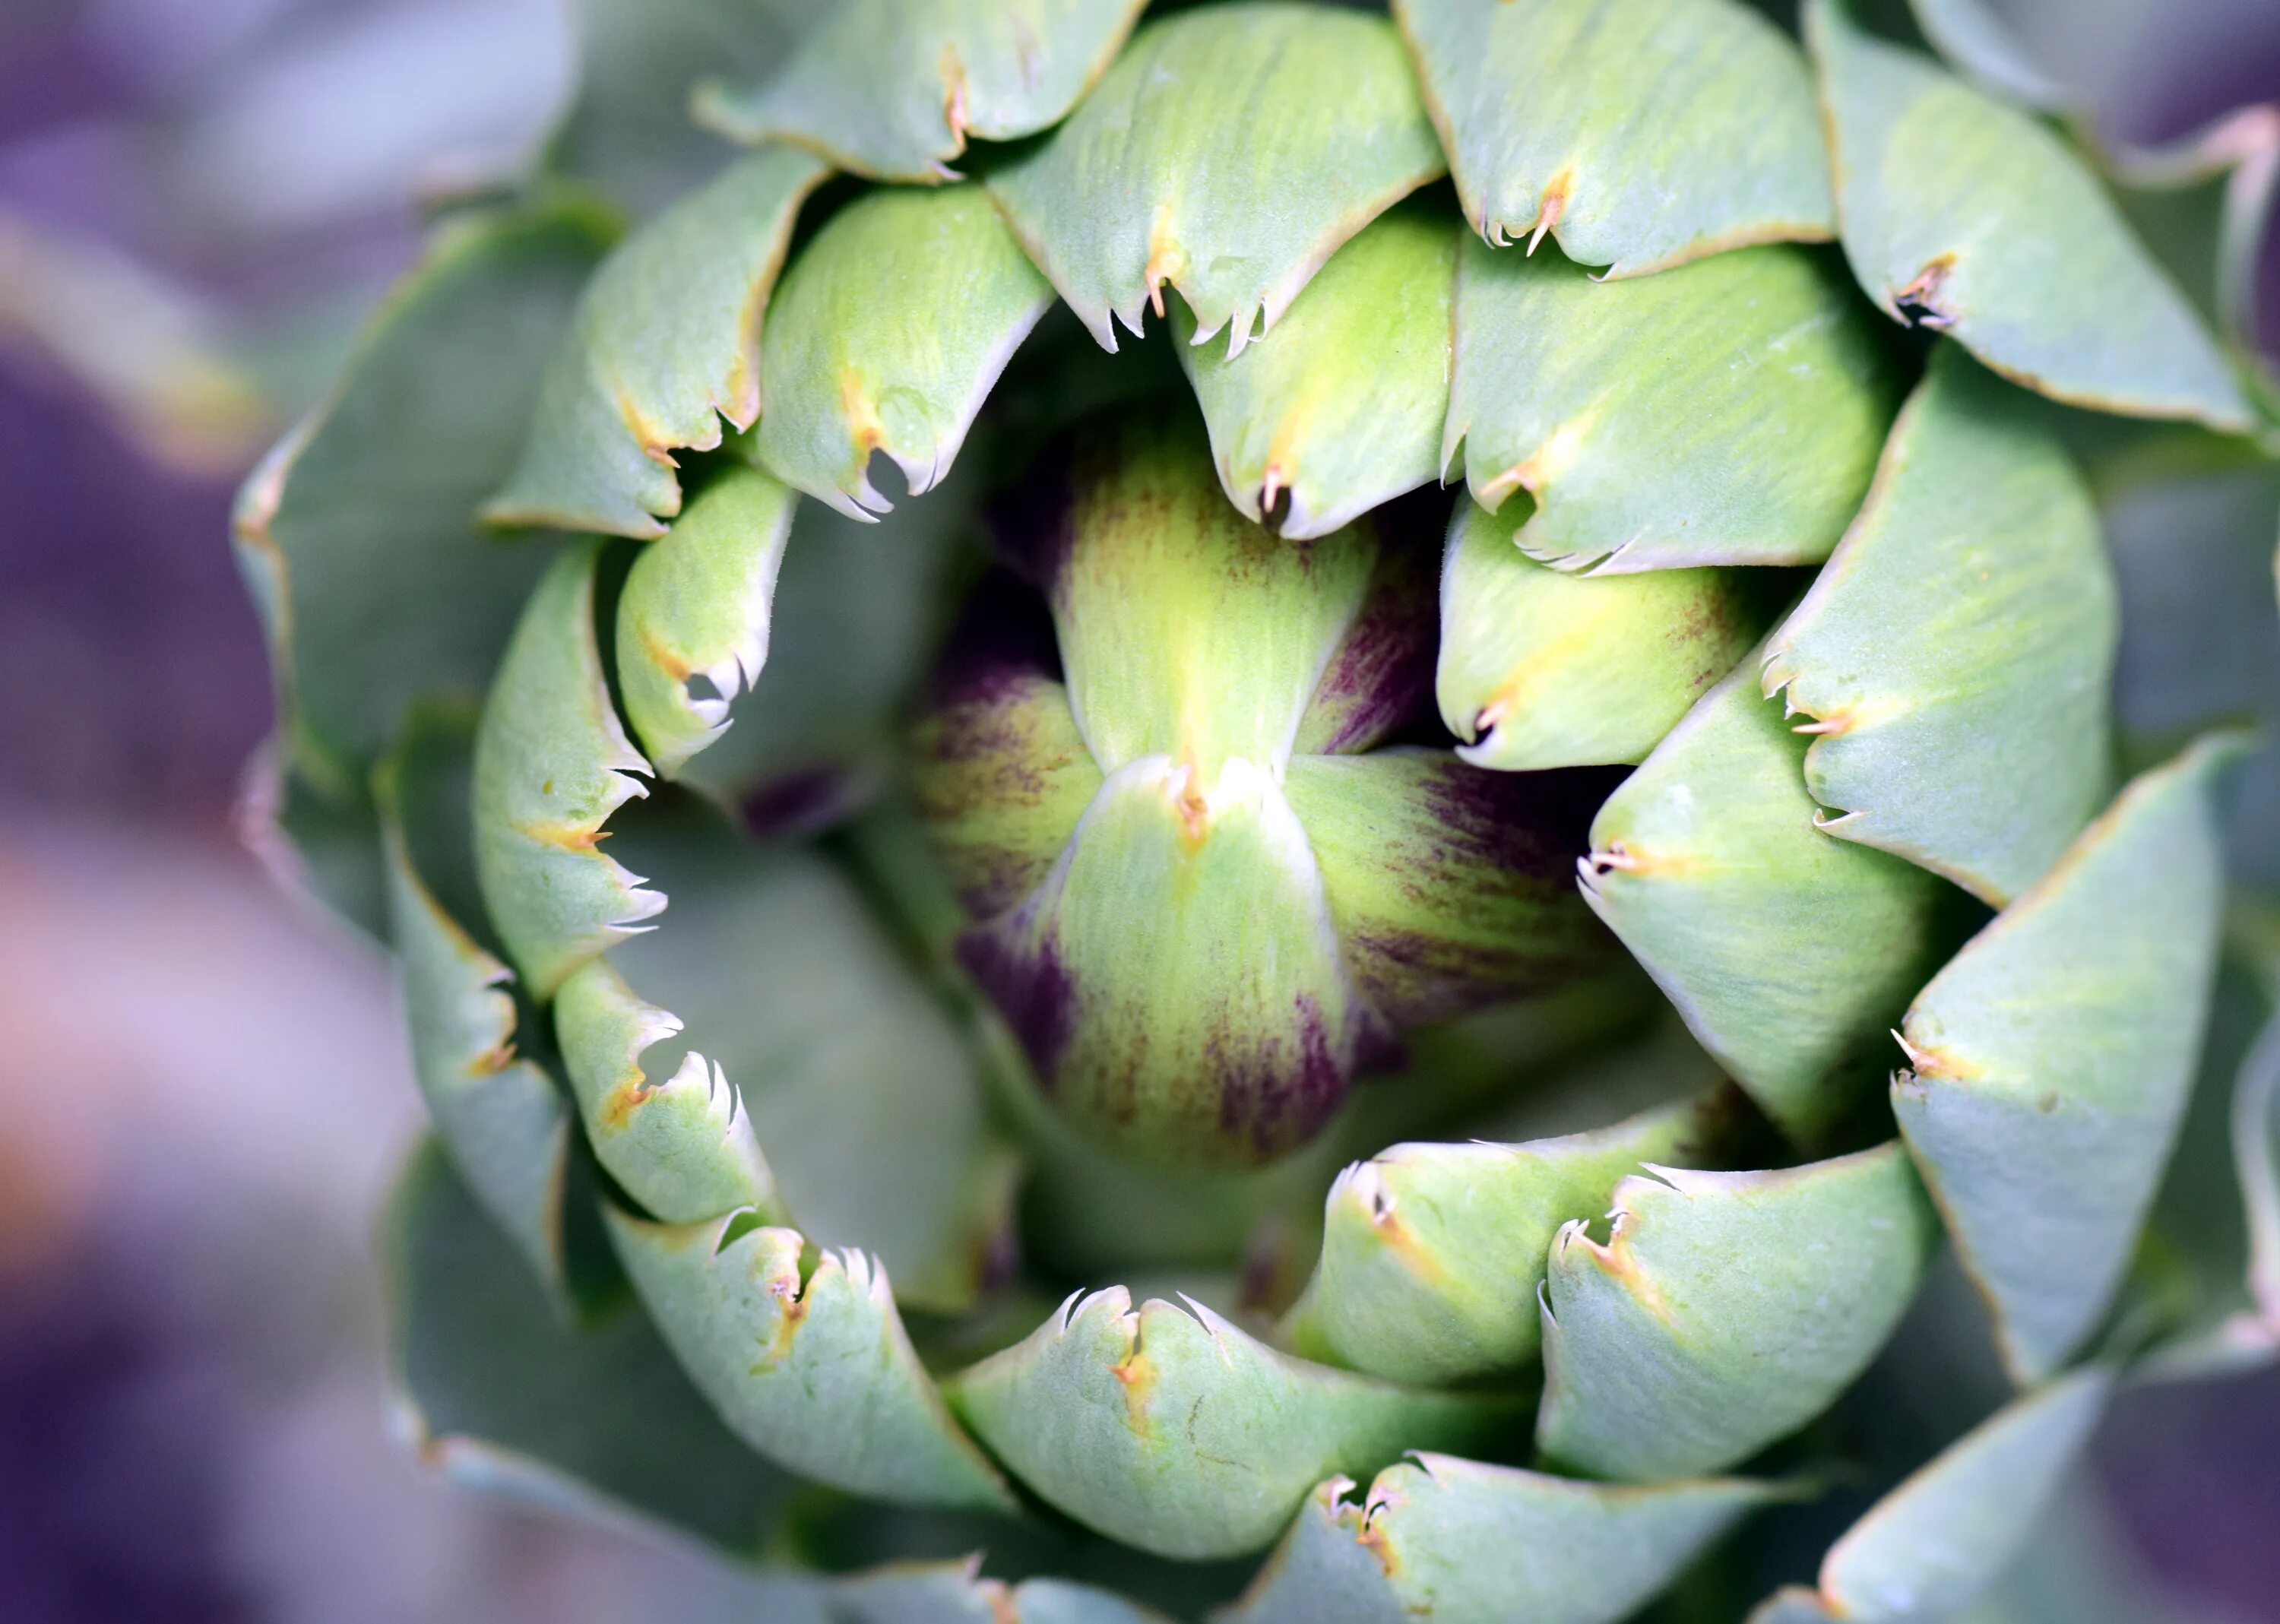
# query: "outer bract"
{"type": "Point", "coordinates": [1036, 943]}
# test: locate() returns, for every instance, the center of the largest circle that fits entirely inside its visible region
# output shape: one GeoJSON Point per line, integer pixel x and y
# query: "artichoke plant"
{"type": "Point", "coordinates": [1257, 779]}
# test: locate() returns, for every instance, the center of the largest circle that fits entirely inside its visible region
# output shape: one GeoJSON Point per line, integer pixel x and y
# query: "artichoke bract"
{"type": "Point", "coordinates": [1410, 788]}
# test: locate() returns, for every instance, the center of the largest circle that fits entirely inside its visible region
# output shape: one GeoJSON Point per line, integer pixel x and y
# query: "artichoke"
{"type": "Point", "coordinates": [1272, 778]}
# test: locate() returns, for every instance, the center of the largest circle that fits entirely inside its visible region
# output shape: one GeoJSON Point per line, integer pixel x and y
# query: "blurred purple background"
{"type": "Point", "coordinates": [202, 1089]}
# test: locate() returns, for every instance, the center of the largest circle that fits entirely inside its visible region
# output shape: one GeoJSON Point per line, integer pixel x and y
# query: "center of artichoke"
{"type": "Point", "coordinates": [1211, 875]}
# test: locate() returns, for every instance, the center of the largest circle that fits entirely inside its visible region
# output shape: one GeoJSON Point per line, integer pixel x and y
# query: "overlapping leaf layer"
{"type": "Point", "coordinates": [1437, 1048]}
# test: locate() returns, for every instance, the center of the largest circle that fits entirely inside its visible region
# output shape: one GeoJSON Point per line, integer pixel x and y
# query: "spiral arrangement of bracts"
{"type": "Point", "coordinates": [1766, 370]}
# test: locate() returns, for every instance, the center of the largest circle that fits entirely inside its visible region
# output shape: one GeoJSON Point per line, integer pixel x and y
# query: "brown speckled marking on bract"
{"type": "Point", "coordinates": [1938, 1063]}
{"type": "Point", "coordinates": [1619, 1263]}
{"type": "Point", "coordinates": [1397, 1238]}
{"type": "Point", "coordinates": [1137, 1376]}
{"type": "Point", "coordinates": [1557, 193]}
{"type": "Point", "coordinates": [864, 431]}
{"type": "Point", "coordinates": [1919, 303]}
{"type": "Point", "coordinates": [568, 836]}
{"type": "Point", "coordinates": [794, 1305]}
{"type": "Point", "coordinates": [1621, 858]}
{"type": "Point", "coordinates": [665, 658]}
{"type": "Point", "coordinates": [492, 1060]}
{"type": "Point", "coordinates": [1372, 1534]}
{"type": "Point", "coordinates": [619, 1105]}
{"type": "Point", "coordinates": [656, 443]}
{"type": "Point", "coordinates": [1708, 622]}
{"type": "Point", "coordinates": [952, 72]}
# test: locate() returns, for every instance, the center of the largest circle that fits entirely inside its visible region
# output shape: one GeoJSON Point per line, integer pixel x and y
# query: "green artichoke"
{"type": "Point", "coordinates": [995, 967]}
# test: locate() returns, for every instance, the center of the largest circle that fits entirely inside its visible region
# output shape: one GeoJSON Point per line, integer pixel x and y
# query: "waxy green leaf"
{"type": "Point", "coordinates": [1543, 668]}
{"type": "Point", "coordinates": [888, 331]}
{"type": "Point", "coordinates": [552, 762]}
{"type": "Point", "coordinates": [2077, 1565]}
{"type": "Point", "coordinates": [810, 1366]}
{"type": "Point", "coordinates": [501, 1119]}
{"type": "Point", "coordinates": [891, 89]}
{"type": "Point", "coordinates": [1787, 951]}
{"type": "Point", "coordinates": [1343, 411]}
{"type": "Point", "coordinates": [857, 1087]}
{"type": "Point", "coordinates": [1464, 1543]}
{"type": "Point", "coordinates": [1973, 34]}
{"type": "Point", "coordinates": [358, 533]}
{"type": "Point", "coordinates": [1449, 886]}
{"type": "Point", "coordinates": [1432, 1253]}
{"type": "Point", "coordinates": [2206, 206]}
{"type": "Point", "coordinates": [1159, 176]}
{"type": "Point", "coordinates": [627, 132]}
{"type": "Point", "coordinates": [1957, 653]}
{"type": "Point", "coordinates": [2051, 1056]}
{"type": "Point", "coordinates": [497, 1389]}
{"type": "Point", "coordinates": [1170, 1429]}
{"type": "Point", "coordinates": [2192, 550]}
{"type": "Point", "coordinates": [667, 343]}
{"type": "Point", "coordinates": [682, 1145]}
{"type": "Point", "coordinates": [1725, 1310]}
{"type": "Point", "coordinates": [696, 608]}
{"type": "Point", "coordinates": [2205, 1280]}
{"type": "Point", "coordinates": [1564, 388]}
{"type": "Point", "coordinates": [856, 613]}
{"type": "Point", "coordinates": [1640, 134]}
{"type": "Point", "coordinates": [1966, 215]}
{"type": "Point", "coordinates": [318, 846]}
{"type": "Point", "coordinates": [1938, 1540]}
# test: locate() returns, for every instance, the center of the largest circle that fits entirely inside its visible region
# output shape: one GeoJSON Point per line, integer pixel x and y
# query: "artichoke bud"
{"type": "Point", "coordinates": [1206, 890]}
